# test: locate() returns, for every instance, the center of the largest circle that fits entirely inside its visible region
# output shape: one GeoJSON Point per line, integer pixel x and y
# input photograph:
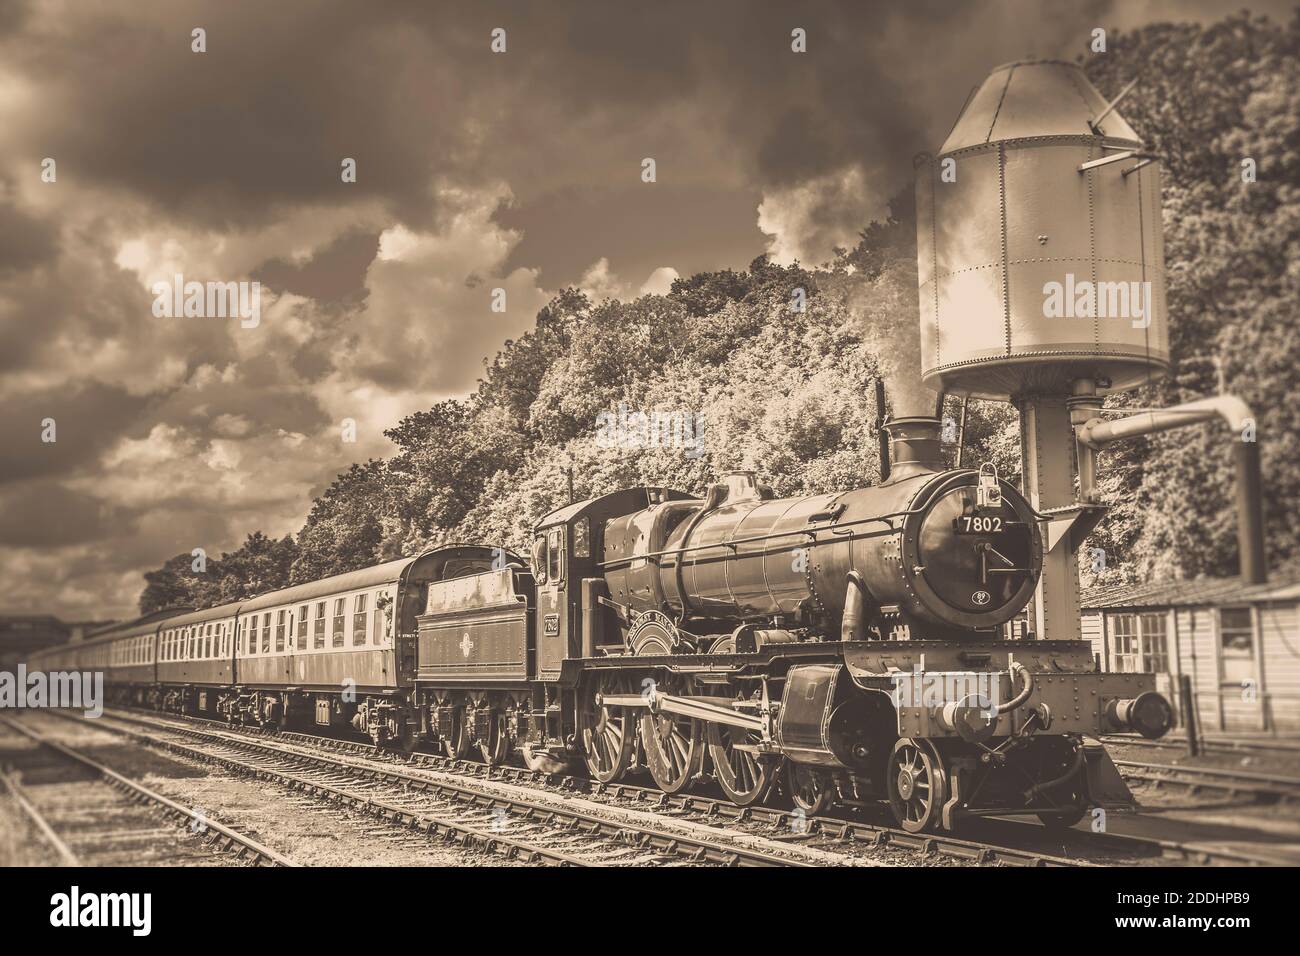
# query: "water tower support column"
{"type": "Point", "coordinates": [1047, 449]}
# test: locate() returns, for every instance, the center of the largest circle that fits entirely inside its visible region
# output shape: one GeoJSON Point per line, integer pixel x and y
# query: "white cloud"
{"type": "Point", "coordinates": [600, 282]}
{"type": "Point", "coordinates": [808, 220]}
{"type": "Point", "coordinates": [660, 281]}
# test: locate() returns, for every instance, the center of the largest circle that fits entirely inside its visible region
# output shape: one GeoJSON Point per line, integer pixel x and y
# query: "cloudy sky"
{"type": "Point", "coordinates": [475, 171]}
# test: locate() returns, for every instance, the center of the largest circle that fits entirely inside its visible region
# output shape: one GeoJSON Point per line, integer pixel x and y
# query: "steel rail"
{"type": "Point", "coordinates": [711, 808]}
{"type": "Point", "coordinates": [38, 820]}
{"type": "Point", "coordinates": [833, 828]}
{"type": "Point", "coordinates": [226, 839]}
{"type": "Point", "coordinates": [692, 848]}
{"type": "Point", "coordinates": [1219, 744]}
{"type": "Point", "coordinates": [1215, 778]}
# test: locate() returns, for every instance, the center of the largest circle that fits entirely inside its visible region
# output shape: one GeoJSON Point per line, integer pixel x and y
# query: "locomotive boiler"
{"type": "Point", "coordinates": [942, 554]}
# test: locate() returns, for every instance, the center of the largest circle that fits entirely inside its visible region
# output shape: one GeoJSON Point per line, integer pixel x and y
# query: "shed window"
{"type": "Point", "coordinates": [1237, 645]}
{"type": "Point", "coordinates": [1140, 642]}
{"type": "Point", "coordinates": [1155, 645]}
{"type": "Point", "coordinates": [1124, 628]}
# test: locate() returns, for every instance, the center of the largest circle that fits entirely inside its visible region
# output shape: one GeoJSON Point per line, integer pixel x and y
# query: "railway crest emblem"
{"type": "Point", "coordinates": [466, 645]}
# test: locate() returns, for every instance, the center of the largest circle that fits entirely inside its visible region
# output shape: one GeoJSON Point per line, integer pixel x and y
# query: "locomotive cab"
{"type": "Point", "coordinates": [572, 619]}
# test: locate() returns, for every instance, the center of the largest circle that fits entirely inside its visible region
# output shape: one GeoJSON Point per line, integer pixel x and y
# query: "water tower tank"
{"type": "Point", "coordinates": [1019, 216]}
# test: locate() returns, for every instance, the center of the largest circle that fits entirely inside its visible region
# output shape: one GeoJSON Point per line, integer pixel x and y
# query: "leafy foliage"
{"type": "Point", "coordinates": [789, 393]}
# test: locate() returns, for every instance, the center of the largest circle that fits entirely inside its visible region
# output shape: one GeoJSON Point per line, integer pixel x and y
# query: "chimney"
{"type": "Point", "coordinates": [914, 447]}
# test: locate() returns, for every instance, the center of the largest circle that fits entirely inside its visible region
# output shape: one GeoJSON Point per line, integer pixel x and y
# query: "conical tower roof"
{"type": "Point", "coordinates": [1035, 98]}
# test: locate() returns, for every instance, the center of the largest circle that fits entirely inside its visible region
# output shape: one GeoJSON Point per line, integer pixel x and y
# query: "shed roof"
{"type": "Point", "coordinates": [1197, 592]}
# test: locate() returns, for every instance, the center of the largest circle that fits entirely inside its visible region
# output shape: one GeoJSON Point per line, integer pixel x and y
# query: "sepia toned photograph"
{"type": "Point", "coordinates": [518, 435]}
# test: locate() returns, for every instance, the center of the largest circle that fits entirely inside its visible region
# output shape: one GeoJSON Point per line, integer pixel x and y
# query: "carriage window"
{"type": "Point", "coordinates": [302, 628]}
{"type": "Point", "coordinates": [555, 555]}
{"type": "Point", "coordinates": [337, 633]}
{"type": "Point", "coordinates": [359, 619]}
{"type": "Point", "coordinates": [582, 538]}
{"type": "Point", "coordinates": [318, 631]}
{"type": "Point", "coordinates": [266, 633]}
{"type": "Point", "coordinates": [279, 630]}
{"type": "Point", "coordinates": [539, 558]}
{"type": "Point", "coordinates": [207, 640]}
{"type": "Point", "coordinates": [382, 610]}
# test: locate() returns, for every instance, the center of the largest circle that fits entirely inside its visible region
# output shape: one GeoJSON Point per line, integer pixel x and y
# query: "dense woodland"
{"type": "Point", "coordinates": [790, 393]}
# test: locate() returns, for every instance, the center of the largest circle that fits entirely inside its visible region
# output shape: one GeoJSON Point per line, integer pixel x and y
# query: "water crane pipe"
{"type": "Point", "coordinates": [1094, 434]}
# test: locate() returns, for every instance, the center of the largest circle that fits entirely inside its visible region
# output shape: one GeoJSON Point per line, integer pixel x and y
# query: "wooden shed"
{"type": "Point", "coordinates": [1240, 644]}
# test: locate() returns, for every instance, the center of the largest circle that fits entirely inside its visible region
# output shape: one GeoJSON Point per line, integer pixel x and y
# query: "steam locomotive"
{"type": "Point", "coordinates": [832, 649]}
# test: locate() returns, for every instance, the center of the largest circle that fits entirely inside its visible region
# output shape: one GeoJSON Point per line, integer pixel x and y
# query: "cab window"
{"type": "Point", "coordinates": [555, 555]}
{"type": "Point", "coordinates": [582, 538]}
{"type": "Point", "coordinates": [539, 558]}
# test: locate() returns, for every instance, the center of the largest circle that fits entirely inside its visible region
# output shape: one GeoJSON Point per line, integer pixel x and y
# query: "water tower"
{"type": "Point", "coordinates": [1040, 253]}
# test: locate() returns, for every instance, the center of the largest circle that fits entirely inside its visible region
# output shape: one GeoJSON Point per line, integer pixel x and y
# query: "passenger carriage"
{"type": "Point", "coordinates": [341, 651]}
{"type": "Point", "coordinates": [196, 659]}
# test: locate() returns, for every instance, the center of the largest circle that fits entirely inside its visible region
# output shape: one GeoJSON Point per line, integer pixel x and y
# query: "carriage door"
{"type": "Point", "coordinates": [552, 601]}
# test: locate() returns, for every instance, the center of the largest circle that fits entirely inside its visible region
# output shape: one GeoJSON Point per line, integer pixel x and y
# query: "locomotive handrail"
{"type": "Point", "coordinates": [811, 532]}
{"type": "Point", "coordinates": [731, 543]}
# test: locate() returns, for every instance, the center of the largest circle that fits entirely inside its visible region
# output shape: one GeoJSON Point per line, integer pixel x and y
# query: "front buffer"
{"type": "Point", "coordinates": [1003, 727]}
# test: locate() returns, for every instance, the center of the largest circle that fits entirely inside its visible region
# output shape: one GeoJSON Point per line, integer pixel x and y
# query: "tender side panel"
{"type": "Point", "coordinates": [475, 627]}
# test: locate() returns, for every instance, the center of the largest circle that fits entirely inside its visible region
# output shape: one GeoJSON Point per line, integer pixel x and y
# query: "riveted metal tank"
{"type": "Point", "coordinates": [742, 555]}
{"type": "Point", "coordinates": [1004, 212]}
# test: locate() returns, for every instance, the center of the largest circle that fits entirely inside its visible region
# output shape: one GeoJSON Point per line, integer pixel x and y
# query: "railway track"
{"type": "Point", "coordinates": [457, 810]}
{"type": "Point", "coordinates": [1259, 786]}
{"type": "Point", "coordinates": [1031, 845]}
{"type": "Point", "coordinates": [850, 840]}
{"type": "Point", "coordinates": [1208, 744]}
{"type": "Point", "coordinates": [90, 815]}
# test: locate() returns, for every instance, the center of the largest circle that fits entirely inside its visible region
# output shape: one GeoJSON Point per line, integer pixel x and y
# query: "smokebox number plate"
{"type": "Point", "coordinates": [977, 524]}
